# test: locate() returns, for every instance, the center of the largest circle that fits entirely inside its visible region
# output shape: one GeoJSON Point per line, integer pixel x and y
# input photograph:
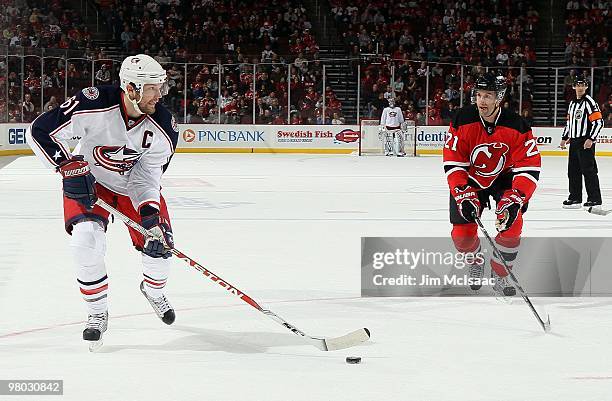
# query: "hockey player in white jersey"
{"type": "Point", "coordinates": [126, 141]}
{"type": "Point", "coordinates": [390, 122]}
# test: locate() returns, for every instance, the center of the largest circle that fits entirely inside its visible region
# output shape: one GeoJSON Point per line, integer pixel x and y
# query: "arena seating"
{"type": "Point", "coordinates": [481, 33]}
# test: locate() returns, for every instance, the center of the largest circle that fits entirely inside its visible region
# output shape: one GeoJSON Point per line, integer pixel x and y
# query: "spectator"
{"type": "Point", "coordinates": [28, 109]}
{"type": "Point", "coordinates": [51, 104]}
{"type": "Point", "coordinates": [126, 37]}
{"type": "Point", "coordinates": [103, 76]}
{"type": "Point", "coordinates": [337, 119]}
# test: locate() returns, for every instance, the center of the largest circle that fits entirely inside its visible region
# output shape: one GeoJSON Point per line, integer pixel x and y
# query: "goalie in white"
{"type": "Point", "coordinates": [390, 131]}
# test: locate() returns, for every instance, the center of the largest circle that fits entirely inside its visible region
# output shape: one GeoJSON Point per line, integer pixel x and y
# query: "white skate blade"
{"type": "Point", "coordinates": [95, 345]}
{"type": "Point", "coordinates": [504, 299]}
{"type": "Point", "coordinates": [575, 206]}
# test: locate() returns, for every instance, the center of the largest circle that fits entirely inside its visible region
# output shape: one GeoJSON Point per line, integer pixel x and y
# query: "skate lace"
{"type": "Point", "coordinates": [161, 304]}
{"type": "Point", "coordinates": [502, 282]}
{"type": "Point", "coordinates": [476, 271]}
{"type": "Point", "coordinates": [96, 321]}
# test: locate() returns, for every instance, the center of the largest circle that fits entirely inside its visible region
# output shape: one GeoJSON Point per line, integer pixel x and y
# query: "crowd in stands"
{"type": "Point", "coordinates": [234, 30]}
{"type": "Point", "coordinates": [42, 24]}
{"type": "Point", "coordinates": [405, 48]}
{"type": "Point", "coordinates": [588, 25]}
{"type": "Point", "coordinates": [269, 82]}
{"type": "Point", "coordinates": [237, 34]}
{"type": "Point", "coordinates": [37, 25]}
{"type": "Point", "coordinates": [441, 34]}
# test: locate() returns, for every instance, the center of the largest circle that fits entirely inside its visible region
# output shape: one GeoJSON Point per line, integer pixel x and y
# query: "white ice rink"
{"type": "Point", "coordinates": [286, 230]}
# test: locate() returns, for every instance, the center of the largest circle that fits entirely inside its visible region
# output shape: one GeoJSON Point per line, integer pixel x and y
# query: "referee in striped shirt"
{"type": "Point", "coordinates": [584, 122]}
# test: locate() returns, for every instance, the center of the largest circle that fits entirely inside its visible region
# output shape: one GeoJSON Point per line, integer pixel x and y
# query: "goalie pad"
{"type": "Point", "coordinates": [399, 143]}
{"type": "Point", "coordinates": [387, 140]}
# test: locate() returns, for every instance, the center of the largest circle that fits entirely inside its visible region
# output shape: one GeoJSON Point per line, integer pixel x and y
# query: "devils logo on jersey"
{"type": "Point", "coordinates": [116, 158]}
{"type": "Point", "coordinates": [489, 159]}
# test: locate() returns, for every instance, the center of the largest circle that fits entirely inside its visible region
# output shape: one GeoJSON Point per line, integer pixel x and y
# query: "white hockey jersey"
{"type": "Point", "coordinates": [391, 117]}
{"type": "Point", "coordinates": [126, 155]}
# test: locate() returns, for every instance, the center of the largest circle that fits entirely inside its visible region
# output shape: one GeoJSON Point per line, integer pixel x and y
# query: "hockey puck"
{"type": "Point", "coordinates": [353, 360]}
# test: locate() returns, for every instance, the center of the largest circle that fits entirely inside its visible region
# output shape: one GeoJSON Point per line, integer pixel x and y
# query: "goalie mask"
{"type": "Point", "coordinates": [391, 102]}
{"type": "Point", "coordinates": [138, 71]}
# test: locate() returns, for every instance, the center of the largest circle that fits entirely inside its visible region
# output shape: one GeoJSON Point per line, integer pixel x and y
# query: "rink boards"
{"type": "Point", "coordinates": [321, 139]}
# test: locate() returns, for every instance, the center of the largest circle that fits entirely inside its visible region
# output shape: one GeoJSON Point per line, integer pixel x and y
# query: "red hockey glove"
{"type": "Point", "coordinates": [467, 201]}
{"type": "Point", "coordinates": [78, 182]}
{"type": "Point", "coordinates": [508, 208]}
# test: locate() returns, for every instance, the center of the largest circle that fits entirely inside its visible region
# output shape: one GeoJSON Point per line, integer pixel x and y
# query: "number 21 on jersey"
{"type": "Point", "coordinates": [451, 142]}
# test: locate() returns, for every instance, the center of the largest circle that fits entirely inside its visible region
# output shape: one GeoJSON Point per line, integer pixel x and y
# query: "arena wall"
{"type": "Point", "coordinates": [334, 139]}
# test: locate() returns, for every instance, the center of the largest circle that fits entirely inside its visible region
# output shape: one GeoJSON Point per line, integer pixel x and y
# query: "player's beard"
{"type": "Point", "coordinates": [147, 107]}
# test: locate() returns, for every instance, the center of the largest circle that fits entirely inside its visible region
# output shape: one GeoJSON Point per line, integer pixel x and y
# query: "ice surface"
{"type": "Point", "coordinates": [286, 230]}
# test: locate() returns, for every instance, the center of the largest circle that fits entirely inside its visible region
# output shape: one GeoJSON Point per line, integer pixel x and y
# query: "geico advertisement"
{"type": "Point", "coordinates": [13, 136]}
{"type": "Point", "coordinates": [268, 136]}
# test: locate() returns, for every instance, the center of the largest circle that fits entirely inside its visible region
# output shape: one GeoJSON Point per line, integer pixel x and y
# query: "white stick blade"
{"type": "Point", "coordinates": [547, 324]}
{"type": "Point", "coordinates": [349, 340]}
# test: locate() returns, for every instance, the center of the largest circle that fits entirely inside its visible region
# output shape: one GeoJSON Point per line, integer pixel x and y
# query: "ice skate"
{"type": "Point", "coordinates": [94, 330]}
{"type": "Point", "coordinates": [503, 289]}
{"type": "Point", "coordinates": [160, 305]}
{"type": "Point", "coordinates": [572, 204]}
{"type": "Point", "coordinates": [476, 272]}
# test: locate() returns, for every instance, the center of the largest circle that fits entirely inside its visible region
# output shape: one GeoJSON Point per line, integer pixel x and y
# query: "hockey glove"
{"type": "Point", "coordinates": [78, 182]}
{"type": "Point", "coordinates": [467, 201]}
{"type": "Point", "coordinates": [508, 208]}
{"type": "Point", "coordinates": [160, 242]}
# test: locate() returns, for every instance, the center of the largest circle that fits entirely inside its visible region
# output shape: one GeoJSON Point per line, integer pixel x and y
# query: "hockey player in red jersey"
{"type": "Point", "coordinates": [126, 141]}
{"type": "Point", "coordinates": [490, 153]}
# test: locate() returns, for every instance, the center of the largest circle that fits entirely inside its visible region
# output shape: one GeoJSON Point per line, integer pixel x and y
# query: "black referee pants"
{"type": "Point", "coordinates": [582, 162]}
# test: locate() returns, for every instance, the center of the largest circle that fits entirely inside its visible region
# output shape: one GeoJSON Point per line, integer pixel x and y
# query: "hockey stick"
{"type": "Point", "coordinates": [599, 211]}
{"type": "Point", "coordinates": [545, 324]}
{"type": "Point", "coordinates": [324, 344]}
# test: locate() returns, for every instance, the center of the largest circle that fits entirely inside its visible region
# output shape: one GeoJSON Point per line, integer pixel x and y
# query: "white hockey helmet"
{"type": "Point", "coordinates": [140, 70]}
{"type": "Point", "coordinates": [391, 102]}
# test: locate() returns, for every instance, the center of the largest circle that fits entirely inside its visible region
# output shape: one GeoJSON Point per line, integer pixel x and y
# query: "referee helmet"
{"type": "Point", "coordinates": [580, 79]}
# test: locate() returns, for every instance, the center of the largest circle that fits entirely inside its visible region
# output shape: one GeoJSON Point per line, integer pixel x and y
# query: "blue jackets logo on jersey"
{"type": "Point", "coordinates": [116, 158]}
{"type": "Point", "coordinates": [91, 93]}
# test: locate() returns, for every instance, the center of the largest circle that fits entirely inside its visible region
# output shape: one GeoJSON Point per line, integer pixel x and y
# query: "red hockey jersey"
{"type": "Point", "coordinates": [476, 154]}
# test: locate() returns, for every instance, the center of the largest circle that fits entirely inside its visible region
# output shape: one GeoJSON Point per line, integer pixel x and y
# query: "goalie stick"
{"type": "Point", "coordinates": [545, 324]}
{"type": "Point", "coordinates": [324, 344]}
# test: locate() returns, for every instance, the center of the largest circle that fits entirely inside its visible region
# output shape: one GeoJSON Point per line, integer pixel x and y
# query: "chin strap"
{"type": "Point", "coordinates": [494, 111]}
{"type": "Point", "coordinates": [134, 102]}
